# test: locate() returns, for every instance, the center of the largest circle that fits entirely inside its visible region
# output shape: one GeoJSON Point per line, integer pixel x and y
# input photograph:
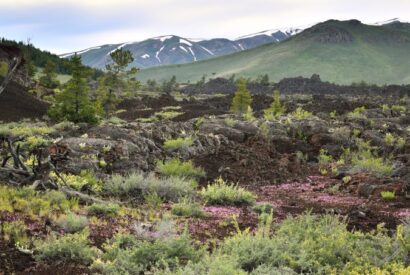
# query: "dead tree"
{"type": "Point", "coordinates": [38, 176]}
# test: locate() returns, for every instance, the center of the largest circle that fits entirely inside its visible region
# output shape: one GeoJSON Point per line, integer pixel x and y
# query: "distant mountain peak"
{"type": "Point", "coordinates": [390, 21]}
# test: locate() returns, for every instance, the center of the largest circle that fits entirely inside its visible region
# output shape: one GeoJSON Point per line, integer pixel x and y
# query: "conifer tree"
{"type": "Point", "coordinates": [73, 103]}
{"type": "Point", "coordinates": [242, 99]}
{"type": "Point", "coordinates": [276, 108]}
{"type": "Point", "coordinates": [49, 79]}
{"type": "Point", "coordinates": [116, 81]}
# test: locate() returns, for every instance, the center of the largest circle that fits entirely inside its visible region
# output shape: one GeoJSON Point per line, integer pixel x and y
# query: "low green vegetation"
{"type": "Point", "coordinates": [388, 195]}
{"type": "Point", "coordinates": [276, 109]}
{"type": "Point", "coordinates": [242, 99]}
{"type": "Point", "coordinates": [178, 143]}
{"type": "Point", "coordinates": [70, 248]}
{"type": "Point", "coordinates": [176, 167]}
{"type": "Point", "coordinates": [299, 113]}
{"type": "Point", "coordinates": [72, 223]}
{"type": "Point", "coordinates": [137, 185]}
{"type": "Point", "coordinates": [187, 208]}
{"type": "Point", "coordinates": [99, 209]}
{"type": "Point", "coordinates": [365, 160]}
{"type": "Point", "coordinates": [223, 193]}
{"type": "Point", "coordinates": [4, 68]}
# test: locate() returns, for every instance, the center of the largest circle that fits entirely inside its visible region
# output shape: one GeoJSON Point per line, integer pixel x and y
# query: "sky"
{"type": "Point", "coordinates": [62, 26]}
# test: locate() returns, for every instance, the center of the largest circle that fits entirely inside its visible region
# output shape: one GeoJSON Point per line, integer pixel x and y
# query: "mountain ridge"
{"type": "Point", "coordinates": [340, 51]}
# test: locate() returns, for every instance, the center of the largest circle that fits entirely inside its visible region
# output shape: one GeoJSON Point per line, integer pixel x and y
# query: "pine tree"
{"type": "Point", "coordinates": [49, 79]}
{"type": "Point", "coordinates": [276, 108]}
{"type": "Point", "coordinates": [242, 99]}
{"type": "Point", "coordinates": [73, 103]}
{"type": "Point", "coordinates": [116, 81]}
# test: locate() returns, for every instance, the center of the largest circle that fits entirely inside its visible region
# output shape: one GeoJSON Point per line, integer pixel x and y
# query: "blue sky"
{"type": "Point", "coordinates": [67, 25]}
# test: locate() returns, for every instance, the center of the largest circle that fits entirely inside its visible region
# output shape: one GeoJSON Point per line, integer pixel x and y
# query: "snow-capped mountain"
{"type": "Point", "coordinates": [172, 49]}
{"type": "Point", "coordinates": [390, 21]}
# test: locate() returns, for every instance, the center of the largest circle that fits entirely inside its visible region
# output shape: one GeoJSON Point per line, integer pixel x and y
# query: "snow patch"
{"type": "Point", "coordinates": [240, 46]}
{"type": "Point", "coordinates": [163, 38]}
{"type": "Point", "coordinates": [208, 51]}
{"type": "Point", "coordinates": [182, 48]}
{"type": "Point", "coordinates": [183, 41]}
{"type": "Point", "coordinates": [145, 56]}
{"type": "Point", "coordinates": [80, 52]}
{"type": "Point", "coordinates": [119, 47]}
{"type": "Point", "coordinates": [394, 20]}
{"type": "Point", "coordinates": [287, 31]}
{"type": "Point", "coordinates": [157, 54]}
{"type": "Point", "coordinates": [192, 52]}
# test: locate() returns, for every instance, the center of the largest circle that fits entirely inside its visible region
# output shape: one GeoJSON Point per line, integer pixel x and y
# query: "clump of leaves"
{"type": "Point", "coordinates": [178, 143]}
{"type": "Point", "coordinates": [72, 223]}
{"type": "Point", "coordinates": [176, 167]}
{"type": "Point", "coordinates": [125, 254]}
{"type": "Point", "coordinates": [110, 209]}
{"type": "Point", "coordinates": [276, 109]}
{"type": "Point", "coordinates": [299, 113]}
{"type": "Point", "coordinates": [136, 184]}
{"type": "Point", "coordinates": [187, 208]}
{"type": "Point", "coordinates": [388, 195]}
{"type": "Point", "coordinates": [223, 193]}
{"type": "Point", "coordinates": [70, 248]}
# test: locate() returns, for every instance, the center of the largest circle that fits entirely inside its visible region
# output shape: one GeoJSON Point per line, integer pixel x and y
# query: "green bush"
{"type": "Point", "coordinates": [311, 245]}
{"type": "Point", "coordinates": [125, 255]}
{"type": "Point", "coordinates": [388, 195]}
{"type": "Point", "coordinates": [221, 193]}
{"type": "Point", "coordinates": [4, 68]}
{"type": "Point", "coordinates": [137, 185]}
{"type": "Point", "coordinates": [276, 109]}
{"type": "Point", "coordinates": [72, 223]}
{"type": "Point", "coordinates": [299, 113]}
{"type": "Point", "coordinates": [176, 167]}
{"type": "Point", "coordinates": [15, 231]}
{"type": "Point", "coordinates": [263, 208]}
{"type": "Point", "coordinates": [173, 144]}
{"type": "Point", "coordinates": [365, 160]}
{"type": "Point", "coordinates": [70, 248]}
{"type": "Point", "coordinates": [109, 209]}
{"type": "Point", "coordinates": [186, 208]}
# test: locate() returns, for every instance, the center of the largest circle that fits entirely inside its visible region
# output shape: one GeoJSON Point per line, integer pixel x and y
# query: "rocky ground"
{"type": "Point", "coordinates": [280, 161]}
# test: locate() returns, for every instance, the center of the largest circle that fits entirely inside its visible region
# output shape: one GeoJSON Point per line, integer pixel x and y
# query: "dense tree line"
{"type": "Point", "coordinates": [40, 58]}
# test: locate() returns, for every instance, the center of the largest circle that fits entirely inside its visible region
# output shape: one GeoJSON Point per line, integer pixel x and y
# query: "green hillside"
{"type": "Point", "coordinates": [340, 51]}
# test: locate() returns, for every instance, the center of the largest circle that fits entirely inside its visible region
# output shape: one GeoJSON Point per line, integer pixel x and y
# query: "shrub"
{"type": "Point", "coordinates": [365, 160]}
{"type": "Point", "coordinates": [242, 98]}
{"type": "Point", "coordinates": [389, 139]}
{"type": "Point", "coordinates": [110, 209]}
{"type": "Point", "coordinates": [15, 231]}
{"type": "Point", "coordinates": [276, 109]}
{"type": "Point", "coordinates": [173, 144]}
{"type": "Point", "coordinates": [70, 248]}
{"type": "Point", "coordinates": [263, 208]}
{"type": "Point", "coordinates": [230, 122]}
{"type": "Point", "coordinates": [310, 245]}
{"type": "Point", "coordinates": [72, 223]}
{"type": "Point", "coordinates": [167, 114]}
{"type": "Point", "coordinates": [130, 256]}
{"type": "Point", "coordinates": [388, 195]}
{"type": "Point", "coordinates": [226, 194]}
{"type": "Point", "coordinates": [176, 167]}
{"type": "Point", "coordinates": [357, 112]}
{"type": "Point", "coordinates": [136, 184]}
{"type": "Point", "coordinates": [85, 181]}
{"type": "Point", "coordinates": [4, 68]}
{"type": "Point", "coordinates": [24, 129]}
{"type": "Point", "coordinates": [186, 208]}
{"type": "Point", "coordinates": [299, 113]}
